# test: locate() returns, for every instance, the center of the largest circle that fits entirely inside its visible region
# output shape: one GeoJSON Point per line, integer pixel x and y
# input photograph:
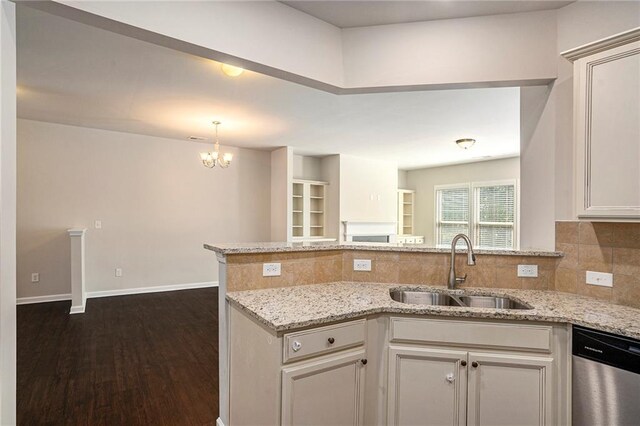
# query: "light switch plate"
{"type": "Point", "coordinates": [35, 277]}
{"type": "Point", "coordinates": [528, 271]}
{"type": "Point", "coordinates": [118, 272]}
{"type": "Point", "coordinates": [98, 224]}
{"type": "Point", "coordinates": [600, 278]}
{"type": "Point", "coordinates": [361, 264]}
{"type": "Point", "coordinates": [271, 269]}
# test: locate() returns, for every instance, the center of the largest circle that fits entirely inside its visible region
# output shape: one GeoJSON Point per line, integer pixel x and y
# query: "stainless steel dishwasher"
{"type": "Point", "coordinates": [606, 379]}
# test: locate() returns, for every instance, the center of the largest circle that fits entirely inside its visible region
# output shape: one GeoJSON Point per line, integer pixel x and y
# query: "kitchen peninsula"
{"type": "Point", "coordinates": [330, 342]}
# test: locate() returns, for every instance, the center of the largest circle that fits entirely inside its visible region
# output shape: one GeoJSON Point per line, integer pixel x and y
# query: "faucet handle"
{"type": "Point", "coordinates": [462, 279]}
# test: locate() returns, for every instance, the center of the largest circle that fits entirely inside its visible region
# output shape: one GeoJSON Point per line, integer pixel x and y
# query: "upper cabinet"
{"type": "Point", "coordinates": [607, 127]}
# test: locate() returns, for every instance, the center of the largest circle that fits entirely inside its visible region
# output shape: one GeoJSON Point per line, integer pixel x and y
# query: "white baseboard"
{"type": "Point", "coordinates": [155, 289]}
{"type": "Point", "coordinates": [42, 299]}
{"type": "Point", "coordinates": [77, 309]}
{"type": "Point", "coordinates": [109, 293]}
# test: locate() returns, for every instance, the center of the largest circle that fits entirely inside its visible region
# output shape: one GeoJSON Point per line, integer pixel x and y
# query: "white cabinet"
{"type": "Point", "coordinates": [308, 209]}
{"type": "Point", "coordinates": [506, 389]}
{"type": "Point", "coordinates": [607, 127]}
{"type": "Point", "coordinates": [488, 374]}
{"type": "Point", "coordinates": [426, 386]}
{"type": "Point", "coordinates": [325, 391]}
{"type": "Point", "coordinates": [405, 211]}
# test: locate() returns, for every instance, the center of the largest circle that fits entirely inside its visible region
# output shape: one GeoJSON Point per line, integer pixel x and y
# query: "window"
{"type": "Point", "coordinates": [484, 211]}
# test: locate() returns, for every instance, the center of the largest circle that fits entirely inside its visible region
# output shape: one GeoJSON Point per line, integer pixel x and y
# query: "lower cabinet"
{"type": "Point", "coordinates": [326, 391]}
{"type": "Point", "coordinates": [506, 389]}
{"type": "Point", "coordinates": [442, 387]}
{"type": "Point", "coordinates": [427, 387]}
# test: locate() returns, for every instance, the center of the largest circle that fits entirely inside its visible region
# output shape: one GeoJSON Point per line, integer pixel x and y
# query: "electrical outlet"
{"type": "Point", "coordinates": [98, 224]}
{"type": "Point", "coordinates": [35, 277]}
{"type": "Point", "coordinates": [361, 264]}
{"type": "Point", "coordinates": [118, 272]}
{"type": "Point", "coordinates": [600, 278]}
{"type": "Point", "coordinates": [271, 269]}
{"type": "Point", "coordinates": [528, 271]}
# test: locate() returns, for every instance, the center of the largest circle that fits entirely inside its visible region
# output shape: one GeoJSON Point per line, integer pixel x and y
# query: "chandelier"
{"type": "Point", "coordinates": [212, 159]}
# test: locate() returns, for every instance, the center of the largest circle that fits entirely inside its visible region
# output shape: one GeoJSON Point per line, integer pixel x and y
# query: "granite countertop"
{"type": "Point", "coordinates": [289, 308]}
{"type": "Point", "coordinates": [257, 248]}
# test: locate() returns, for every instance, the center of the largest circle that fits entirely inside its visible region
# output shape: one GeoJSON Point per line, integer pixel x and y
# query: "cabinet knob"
{"type": "Point", "coordinates": [474, 364]}
{"type": "Point", "coordinates": [331, 340]}
{"type": "Point", "coordinates": [296, 346]}
{"type": "Point", "coordinates": [450, 378]}
{"type": "Point", "coordinates": [363, 361]}
{"type": "Point", "coordinates": [463, 363]}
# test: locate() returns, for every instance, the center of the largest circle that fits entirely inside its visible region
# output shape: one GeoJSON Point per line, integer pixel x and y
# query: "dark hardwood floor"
{"type": "Point", "coordinates": [148, 359]}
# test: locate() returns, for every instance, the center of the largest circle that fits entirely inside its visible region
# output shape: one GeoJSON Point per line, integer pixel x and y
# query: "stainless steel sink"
{"type": "Point", "coordinates": [495, 302]}
{"type": "Point", "coordinates": [423, 298]}
{"type": "Point", "coordinates": [417, 297]}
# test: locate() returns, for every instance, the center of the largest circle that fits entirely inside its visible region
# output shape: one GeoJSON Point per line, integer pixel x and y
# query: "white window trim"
{"type": "Point", "coordinates": [436, 222]}
{"type": "Point", "coordinates": [471, 187]}
{"type": "Point", "coordinates": [516, 207]}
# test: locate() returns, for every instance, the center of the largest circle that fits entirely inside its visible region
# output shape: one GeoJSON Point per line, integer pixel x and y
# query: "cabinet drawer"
{"type": "Point", "coordinates": [317, 341]}
{"type": "Point", "coordinates": [468, 333]}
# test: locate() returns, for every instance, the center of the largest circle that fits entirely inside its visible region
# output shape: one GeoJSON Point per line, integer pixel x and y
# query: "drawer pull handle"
{"type": "Point", "coordinates": [363, 361]}
{"type": "Point", "coordinates": [296, 346]}
{"type": "Point", "coordinates": [474, 364]}
{"type": "Point", "coordinates": [463, 363]}
{"type": "Point", "coordinates": [331, 340]}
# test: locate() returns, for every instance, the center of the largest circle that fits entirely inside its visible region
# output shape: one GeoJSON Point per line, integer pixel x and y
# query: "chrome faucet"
{"type": "Point", "coordinates": [471, 260]}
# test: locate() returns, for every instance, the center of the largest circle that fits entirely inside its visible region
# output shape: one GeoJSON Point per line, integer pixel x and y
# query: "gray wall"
{"type": "Point", "coordinates": [156, 201]}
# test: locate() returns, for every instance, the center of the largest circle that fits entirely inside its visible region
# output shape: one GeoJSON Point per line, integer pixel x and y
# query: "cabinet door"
{"type": "Point", "coordinates": [509, 390]}
{"type": "Point", "coordinates": [324, 391]}
{"type": "Point", "coordinates": [607, 120]}
{"type": "Point", "coordinates": [426, 387]}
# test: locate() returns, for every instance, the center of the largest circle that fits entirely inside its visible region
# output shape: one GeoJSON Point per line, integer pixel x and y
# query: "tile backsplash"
{"type": "Point", "coordinates": [599, 247]}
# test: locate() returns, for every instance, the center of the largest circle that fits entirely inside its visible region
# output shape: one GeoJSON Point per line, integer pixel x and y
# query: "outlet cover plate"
{"type": "Point", "coordinates": [362, 264]}
{"type": "Point", "coordinates": [271, 269]}
{"type": "Point", "coordinates": [600, 278]}
{"type": "Point", "coordinates": [35, 277]}
{"type": "Point", "coordinates": [528, 271]}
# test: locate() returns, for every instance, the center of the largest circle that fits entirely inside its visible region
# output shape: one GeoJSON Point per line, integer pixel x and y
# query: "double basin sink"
{"type": "Point", "coordinates": [417, 297]}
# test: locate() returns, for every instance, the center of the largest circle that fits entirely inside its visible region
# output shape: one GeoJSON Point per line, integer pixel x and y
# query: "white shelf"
{"type": "Point", "coordinates": [309, 206]}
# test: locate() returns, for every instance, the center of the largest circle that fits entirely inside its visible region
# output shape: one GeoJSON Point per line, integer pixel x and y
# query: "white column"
{"type": "Point", "coordinates": [78, 291]}
{"type": "Point", "coordinates": [223, 343]}
{"type": "Point", "coordinates": [7, 213]}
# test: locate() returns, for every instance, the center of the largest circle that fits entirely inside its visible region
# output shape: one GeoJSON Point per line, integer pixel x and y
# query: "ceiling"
{"type": "Point", "coordinates": [75, 74]}
{"type": "Point", "coordinates": [348, 14]}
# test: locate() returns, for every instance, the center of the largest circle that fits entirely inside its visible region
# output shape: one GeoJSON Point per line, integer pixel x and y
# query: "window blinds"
{"type": "Point", "coordinates": [453, 214]}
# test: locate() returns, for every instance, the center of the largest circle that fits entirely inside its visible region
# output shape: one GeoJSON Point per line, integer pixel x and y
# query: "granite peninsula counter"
{"type": "Point", "coordinates": [284, 309]}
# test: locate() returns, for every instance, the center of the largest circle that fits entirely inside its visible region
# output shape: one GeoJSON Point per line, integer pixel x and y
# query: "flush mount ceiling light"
{"type": "Point", "coordinates": [212, 159]}
{"type": "Point", "coordinates": [465, 143]}
{"type": "Point", "coordinates": [232, 71]}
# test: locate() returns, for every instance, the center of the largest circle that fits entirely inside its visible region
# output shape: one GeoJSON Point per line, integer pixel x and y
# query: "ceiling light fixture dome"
{"type": "Point", "coordinates": [465, 143]}
{"type": "Point", "coordinates": [231, 70]}
{"type": "Point", "coordinates": [212, 159]}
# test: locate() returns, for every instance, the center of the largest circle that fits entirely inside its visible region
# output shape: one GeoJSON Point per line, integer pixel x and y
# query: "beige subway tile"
{"type": "Point", "coordinates": [423, 258]}
{"type": "Point", "coordinates": [303, 272]}
{"type": "Point", "coordinates": [626, 235]}
{"type": "Point", "coordinates": [327, 270]}
{"type": "Point", "coordinates": [507, 277]}
{"type": "Point", "coordinates": [570, 258]}
{"type": "Point", "coordinates": [544, 280]}
{"type": "Point", "coordinates": [626, 290]}
{"type": "Point", "coordinates": [626, 261]}
{"type": "Point", "coordinates": [567, 232]}
{"type": "Point", "coordinates": [595, 258]}
{"type": "Point", "coordinates": [385, 271]}
{"type": "Point", "coordinates": [566, 280]}
{"type": "Point", "coordinates": [603, 293]}
{"type": "Point", "coordinates": [435, 275]}
{"type": "Point", "coordinates": [596, 233]}
{"type": "Point", "coordinates": [411, 272]}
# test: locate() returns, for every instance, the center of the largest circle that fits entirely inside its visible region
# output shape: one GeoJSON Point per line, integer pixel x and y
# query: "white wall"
{"type": "Point", "coordinates": [306, 167]}
{"type": "Point", "coordinates": [156, 201]}
{"type": "Point", "coordinates": [330, 171]}
{"type": "Point", "coordinates": [281, 194]}
{"type": "Point", "coordinates": [7, 213]}
{"type": "Point", "coordinates": [424, 180]}
{"type": "Point", "coordinates": [487, 48]}
{"type": "Point", "coordinates": [402, 179]}
{"type": "Point", "coordinates": [368, 190]}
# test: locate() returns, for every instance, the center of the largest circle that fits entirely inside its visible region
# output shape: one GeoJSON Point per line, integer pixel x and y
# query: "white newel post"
{"type": "Point", "coordinates": [78, 291]}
